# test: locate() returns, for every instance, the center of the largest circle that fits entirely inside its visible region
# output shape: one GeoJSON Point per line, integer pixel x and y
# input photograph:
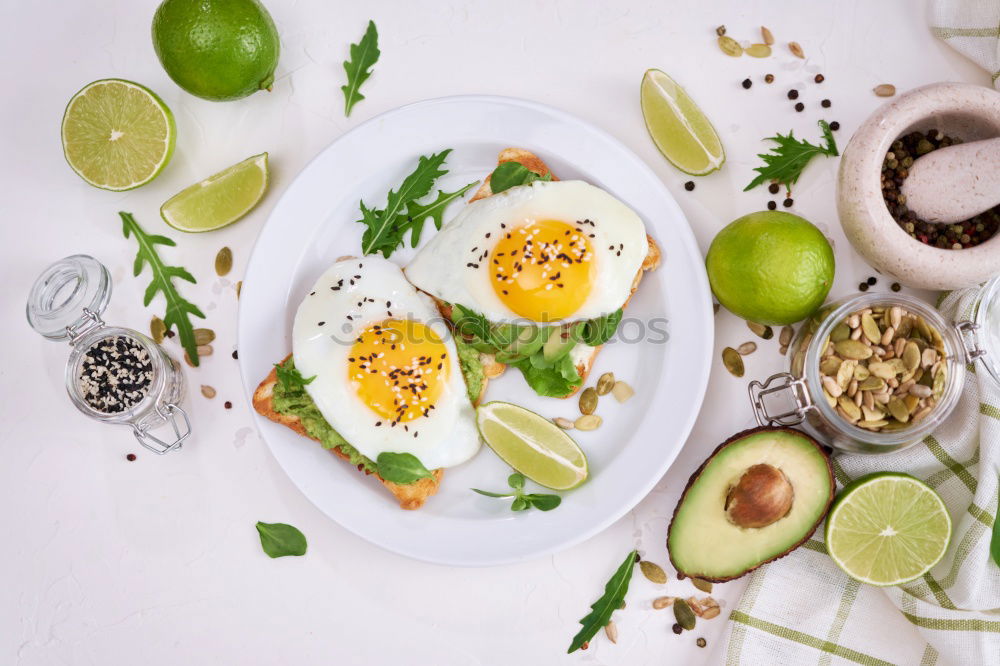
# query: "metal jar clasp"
{"type": "Point", "coordinates": [777, 384]}
{"type": "Point", "coordinates": [169, 414]}
{"type": "Point", "coordinates": [970, 341]}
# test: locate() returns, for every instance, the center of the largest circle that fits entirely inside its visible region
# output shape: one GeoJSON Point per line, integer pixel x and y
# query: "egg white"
{"type": "Point", "coordinates": [350, 296]}
{"type": "Point", "coordinates": [442, 267]}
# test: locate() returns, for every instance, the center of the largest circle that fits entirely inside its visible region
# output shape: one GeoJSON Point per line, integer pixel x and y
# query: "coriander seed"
{"type": "Point", "coordinates": [769, 78]}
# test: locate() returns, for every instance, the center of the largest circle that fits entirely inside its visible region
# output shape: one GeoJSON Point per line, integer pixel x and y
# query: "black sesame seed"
{"type": "Point", "coordinates": [872, 281]}
{"type": "Point", "coordinates": [771, 205]}
{"type": "Point", "coordinates": [689, 185]}
{"type": "Point", "coordinates": [787, 203]}
{"type": "Point", "coordinates": [793, 94]}
{"type": "Point", "coordinates": [799, 106]}
{"type": "Point", "coordinates": [747, 83]}
{"type": "Point", "coordinates": [825, 104]}
{"type": "Point", "coordinates": [835, 126]}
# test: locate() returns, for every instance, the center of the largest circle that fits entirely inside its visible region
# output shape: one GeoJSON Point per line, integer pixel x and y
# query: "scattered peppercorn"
{"type": "Point", "coordinates": [871, 281]}
{"type": "Point", "coordinates": [819, 78]}
{"type": "Point", "coordinates": [586, 644]}
{"type": "Point", "coordinates": [170, 333]}
{"type": "Point", "coordinates": [130, 457]}
{"type": "Point", "coordinates": [793, 94]}
{"type": "Point", "coordinates": [689, 185]}
{"type": "Point", "coordinates": [235, 354]}
{"type": "Point", "coordinates": [835, 126]}
{"type": "Point", "coordinates": [799, 106]}
{"type": "Point", "coordinates": [769, 78]}
{"type": "Point", "coordinates": [863, 286]}
{"type": "Point", "coordinates": [677, 628]}
{"type": "Point", "coordinates": [825, 104]}
{"type": "Point", "coordinates": [773, 188]}
{"type": "Point", "coordinates": [701, 642]}
{"type": "Point", "coordinates": [721, 30]}
{"type": "Point", "coordinates": [771, 205]}
{"type": "Point", "coordinates": [747, 83]}
{"type": "Point", "coordinates": [895, 286]}
{"type": "Point", "coordinates": [228, 405]}
{"type": "Point", "coordinates": [787, 203]}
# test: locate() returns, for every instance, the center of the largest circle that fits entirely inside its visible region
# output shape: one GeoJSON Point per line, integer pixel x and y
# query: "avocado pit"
{"type": "Point", "coordinates": [762, 496]}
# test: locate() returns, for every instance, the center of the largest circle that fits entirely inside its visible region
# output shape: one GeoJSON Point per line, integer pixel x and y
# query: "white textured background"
{"type": "Point", "coordinates": [157, 561]}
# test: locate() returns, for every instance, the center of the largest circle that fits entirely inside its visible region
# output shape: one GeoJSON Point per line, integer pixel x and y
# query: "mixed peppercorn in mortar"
{"type": "Point", "coordinates": [115, 374]}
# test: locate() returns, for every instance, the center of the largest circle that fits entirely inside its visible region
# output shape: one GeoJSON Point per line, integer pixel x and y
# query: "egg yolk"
{"type": "Point", "coordinates": [399, 368]}
{"type": "Point", "coordinates": [543, 270]}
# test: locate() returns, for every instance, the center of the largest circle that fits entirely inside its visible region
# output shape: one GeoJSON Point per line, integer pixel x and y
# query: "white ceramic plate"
{"type": "Point", "coordinates": [314, 223]}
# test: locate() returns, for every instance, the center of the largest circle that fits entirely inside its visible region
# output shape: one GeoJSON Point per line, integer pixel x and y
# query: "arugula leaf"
{"type": "Point", "coordinates": [364, 55]}
{"type": "Point", "coordinates": [598, 331]}
{"type": "Point", "coordinates": [402, 468]}
{"type": "Point", "coordinates": [178, 310]}
{"type": "Point", "coordinates": [524, 501]}
{"type": "Point", "coordinates": [417, 214]}
{"type": "Point", "coordinates": [279, 539]}
{"type": "Point", "coordinates": [291, 376]}
{"type": "Point", "coordinates": [512, 174]}
{"type": "Point", "coordinates": [610, 601]}
{"type": "Point", "coordinates": [995, 539]}
{"type": "Point", "coordinates": [784, 164]}
{"type": "Point", "coordinates": [386, 228]}
{"type": "Point", "coordinates": [470, 322]}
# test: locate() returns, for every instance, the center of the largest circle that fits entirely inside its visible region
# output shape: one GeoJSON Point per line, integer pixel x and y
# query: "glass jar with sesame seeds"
{"type": "Point", "coordinates": [875, 373]}
{"type": "Point", "coordinates": [114, 375]}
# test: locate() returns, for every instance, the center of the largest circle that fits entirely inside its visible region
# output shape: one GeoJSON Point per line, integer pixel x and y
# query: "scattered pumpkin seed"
{"type": "Point", "coordinates": [758, 51]}
{"type": "Point", "coordinates": [605, 383]}
{"type": "Point", "coordinates": [747, 348]}
{"type": "Point", "coordinates": [565, 424]}
{"type": "Point", "coordinates": [766, 35]}
{"type": "Point", "coordinates": [733, 361]}
{"type": "Point", "coordinates": [622, 391]}
{"type": "Point", "coordinates": [796, 50]}
{"type": "Point", "coordinates": [203, 336]}
{"type": "Point", "coordinates": [703, 585]}
{"type": "Point", "coordinates": [652, 571]}
{"type": "Point", "coordinates": [684, 615]}
{"type": "Point", "coordinates": [157, 329]}
{"type": "Point", "coordinates": [660, 603]}
{"type": "Point", "coordinates": [588, 401]}
{"type": "Point", "coordinates": [730, 46]}
{"type": "Point", "coordinates": [588, 422]}
{"type": "Point", "coordinates": [204, 350]}
{"type": "Point", "coordinates": [224, 262]}
{"type": "Point", "coordinates": [611, 631]}
{"type": "Point", "coordinates": [207, 391]}
{"type": "Point", "coordinates": [885, 90]}
{"type": "Point", "coordinates": [761, 330]}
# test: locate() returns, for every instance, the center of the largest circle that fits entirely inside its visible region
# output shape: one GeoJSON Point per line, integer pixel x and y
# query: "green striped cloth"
{"type": "Point", "coordinates": [804, 610]}
{"type": "Point", "coordinates": [971, 27]}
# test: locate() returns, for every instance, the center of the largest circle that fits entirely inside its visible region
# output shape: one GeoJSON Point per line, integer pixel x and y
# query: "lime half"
{"type": "Point", "coordinates": [887, 528]}
{"type": "Point", "coordinates": [678, 127]}
{"type": "Point", "coordinates": [532, 445]}
{"type": "Point", "coordinates": [117, 135]}
{"type": "Point", "coordinates": [220, 199]}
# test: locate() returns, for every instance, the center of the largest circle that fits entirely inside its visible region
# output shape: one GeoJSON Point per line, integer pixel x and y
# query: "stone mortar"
{"type": "Point", "coordinates": [959, 110]}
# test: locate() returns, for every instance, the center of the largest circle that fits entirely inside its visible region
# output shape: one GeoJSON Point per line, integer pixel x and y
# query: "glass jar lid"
{"type": "Point", "coordinates": [987, 320]}
{"type": "Point", "coordinates": [67, 296]}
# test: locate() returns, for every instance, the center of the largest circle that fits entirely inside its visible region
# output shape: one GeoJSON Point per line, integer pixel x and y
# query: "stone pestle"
{"type": "Point", "coordinates": [954, 183]}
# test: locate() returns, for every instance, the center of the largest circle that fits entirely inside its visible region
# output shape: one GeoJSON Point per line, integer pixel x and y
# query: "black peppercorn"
{"type": "Point", "coordinates": [872, 281]}
{"type": "Point", "coordinates": [228, 405]}
{"type": "Point", "coordinates": [787, 203]}
{"type": "Point", "coordinates": [773, 188]}
{"type": "Point", "coordinates": [677, 628]}
{"type": "Point", "coordinates": [235, 354]}
{"type": "Point", "coordinates": [895, 286]}
{"type": "Point", "coordinates": [863, 286]}
{"type": "Point", "coordinates": [799, 106]}
{"type": "Point", "coordinates": [819, 78]}
{"type": "Point", "coordinates": [835, 126]}
{"type": "Point", "coordinates": [689, 185]}
{"type": "Point", "coordinates": [130, 457]}
{"type": "Point", "coordinates": [825, 104]}
{"type": "Point", "coordinates": [793, 94]}
{"type": "Point", "coordinates": [747, 83]}
{"type": "Point", "coordinates": [771, 205]}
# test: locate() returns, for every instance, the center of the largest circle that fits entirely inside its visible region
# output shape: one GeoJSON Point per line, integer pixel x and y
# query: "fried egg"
{"type": "Point", "coordinates": [387, 374]}
{"type": "Point", "coordinates": [545, 252]}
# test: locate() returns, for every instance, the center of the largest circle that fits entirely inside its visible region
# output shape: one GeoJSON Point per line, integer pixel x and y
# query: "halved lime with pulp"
{"type": "Point", "coordinates": [117, 135]}
{"type": "Point", "coordinates": [887, 528]}
{"type": "Point", "coordinates": [532, 445]}
{"type": "Point", "coordinates": [678, 127]}
{"type": "Point", "coordinates": [218, 200]}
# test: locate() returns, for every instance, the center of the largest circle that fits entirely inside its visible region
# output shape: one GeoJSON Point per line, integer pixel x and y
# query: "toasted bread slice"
{"type": "Point", "coordinates": [410, 496]}
{"type": "Point", "coordinates": [534, 163]}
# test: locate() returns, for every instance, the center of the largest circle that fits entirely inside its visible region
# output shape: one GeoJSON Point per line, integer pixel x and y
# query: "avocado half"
{"type": "Point", "coordinates": [758, 497]}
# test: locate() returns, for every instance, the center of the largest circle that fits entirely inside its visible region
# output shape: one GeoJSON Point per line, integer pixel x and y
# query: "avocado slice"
{"type": "Point", "coordinates": [561, 340]}
{"type": "Point", "coordinates": [758, 497]}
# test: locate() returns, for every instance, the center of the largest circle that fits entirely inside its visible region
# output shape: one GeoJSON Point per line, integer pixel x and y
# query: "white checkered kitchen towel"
{"type": "Point", "coordinates": [971, 27]}
{"type": "Point", "coordinates": [804, 610]}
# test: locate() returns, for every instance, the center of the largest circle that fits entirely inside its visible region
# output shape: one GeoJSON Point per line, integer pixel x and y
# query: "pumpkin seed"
{"type": "Point", "coordinates": [605, 383]}
{"type": "Point", "coordinates": [939, 378]}
{"type": "Point", "coordinates": [652, 571]}
{"type": "Point", "coordinates": [207, 391]}
{"type": "Point", "coordinates": [911, 401]}
{"type": "Point", "coordinates": [622, 391]}
{"type": "Point", "coordinates": [703, 585]}
{"type": "Point", "coordinates": [845, 373]}
{"type": "Point", "coordinates": [684, 615]}
{"type": "Point", "coordinates": [203, 336]}
{"type": "Point", "coordinates": [898, 410]}
{"type": "Point", "coordinates": [224, 261]}
{"type": "Point", "coordinates": [565, 424]}
{"type": "Point", "coordinates": [766, 36]}
{"type": "Point", "coordinates": [897, 365]}
{"type": "Point", "coordinates": [911, 356]}
{"type": "Point", "coordinates": [830, 400]}
{"type": "Point", "coordinates": [861, 373]}
{"type": "Point", "coordinates": [157, 329]}
{"type": "Point", "coordinates": [611, 631]}
{"type": "Point", "coordinates": [871, 329]}
{"type": "Point", "coordinates": [588, 422]}
{"type": "Point", "coordinates": [852, 410]}
{"type": "Point", "coordinates": [660, 603]}
{"type": "Point", "coordinates": [881, 369]}
{"type": "Point", "coordinates": [588, 401]}
{"type": "Point", "coordinates": [733, 361]}
{"type": "Point", "coordinates": [758, 51]}
{"type": "Point", "coordinates": [871, 413]}
{"type": "Point", "coordinates": [204, 350]}
{"type": "Point", "coordinates": [840, 332]}
{"type": "Point", "coordinates": [872, 383]}
{"type": "Point", "coordinates": [885, 90]}
{"type": "Point", "coordinates": [872, 425]}
{"type": "Point", "coordinates": [747, 348]}
{"type": "Point", "coordinates": [852, 349]}
{"type": "Point", "coordinates": [796, 50]}
{"type": "Point", "coordinates": [785, 337]}
{"type": "Point", "coordinates": [829, 365]}
{"type": "Point", "coordinates": [730, 46]}
{"type": "Point", "coordinates": [763, 331]}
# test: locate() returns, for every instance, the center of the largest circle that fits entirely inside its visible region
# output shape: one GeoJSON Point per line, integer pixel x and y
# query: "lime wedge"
{"type": "Point", "coordinates": [117, 135]}
{"type": "Point", "coordinates": [678, 127]}
{"type": "Point", "coordinates": [887, 528]}
{"type": "Point", "coordinates": [220, 199]}
{"type": "Point", "coordinates": [532, 445]}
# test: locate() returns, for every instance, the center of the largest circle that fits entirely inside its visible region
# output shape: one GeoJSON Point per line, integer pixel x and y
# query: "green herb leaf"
{"type": "Point", "coordinates": [280, 540]}
{"type": "Point", "coordinates": [524, 501]}
{"type": "Point", "coordinates": [417, 214]}
{"type": "Point", "coordinates": [610, 601]}
{"type": "Point", "coordinates": [402, 468]}
{"type": "Point", "coordinates": [785, 163]}
{"type": "Point", "coordinates": [386, 228]}
{"type": "Point", "coordinates": [512, 174]}
{"type": "Point", "coordinates": [290, 375]}
{"type": "Point", "coordinates": [543, 502]}
{"type": "Point", "coordinates": [995, 539]}
{"type": "Point", "coordinates": [178, 309]}
{"type": "Point", "coordinates": [519, 504]}
{"type": "Point", "coordinates": [598, 331]}
{"type": "Point", "coordinates": [516, 481]}
{"type": "Point", "coordinates": [470, 323]}
{"type": "Point", "coordinates": [489, 494]}
{"type": "Point", "coordinates": [364, 55]}
{"type": "Point", "coordinates": [555, 381]}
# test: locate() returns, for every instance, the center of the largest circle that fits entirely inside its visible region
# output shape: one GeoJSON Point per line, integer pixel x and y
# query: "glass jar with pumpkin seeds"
{"type": "Point", "coordinates": [872, 373]}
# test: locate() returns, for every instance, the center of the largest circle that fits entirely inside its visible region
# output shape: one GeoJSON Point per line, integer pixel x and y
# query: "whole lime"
{"type": "Point", "coordinates": [770, 267]}
{"type": "Point", "coordinates": [216, 49]}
